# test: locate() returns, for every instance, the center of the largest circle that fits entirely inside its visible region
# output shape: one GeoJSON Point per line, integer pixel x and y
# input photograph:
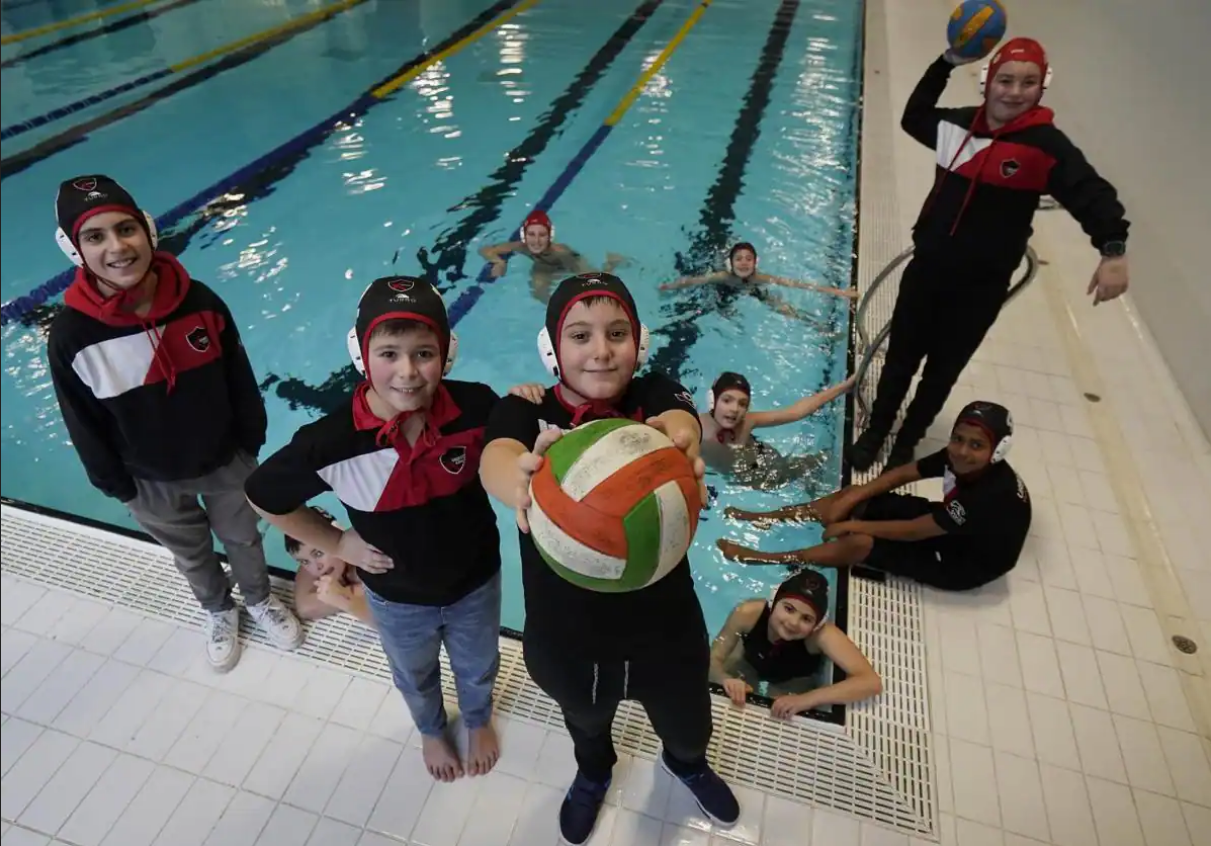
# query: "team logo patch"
{"type": "Point", "coordinates": [454, 460]}
{"type": "Point", "coordinates": [957, 512]}
{"type": "Point", "coordinates": [1009, 167]}
{"type": "Point", "coordinates": [685, 397]}
{"type": "Point", "coordinates": [85, 185]}
{"type": "Point", "coordinates": [401, 286]}
{"type": "Point", "coordinates": [199, 339]}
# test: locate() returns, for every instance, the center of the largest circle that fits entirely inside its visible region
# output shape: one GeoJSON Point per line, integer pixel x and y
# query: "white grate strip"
{"type": "Point", "coordinates": [807, 760]}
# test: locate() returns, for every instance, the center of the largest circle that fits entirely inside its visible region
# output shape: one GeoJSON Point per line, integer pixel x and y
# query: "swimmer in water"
{"type": "Point", "coordinates": [728, 444]}
{"type": "Point", "coordinates": [551, 260]}
{"type": "Point", "coordinates": [742, 270]}
{"type": "Point", "coordinates": [760, 643]}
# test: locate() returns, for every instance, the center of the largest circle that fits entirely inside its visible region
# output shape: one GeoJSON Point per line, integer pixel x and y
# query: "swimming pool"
{"type": "Point", "coordinates": [747, 133]}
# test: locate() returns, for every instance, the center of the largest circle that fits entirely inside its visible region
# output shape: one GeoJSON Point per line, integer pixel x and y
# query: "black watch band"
{"type": "Point", "coordinates": [1114, 249]}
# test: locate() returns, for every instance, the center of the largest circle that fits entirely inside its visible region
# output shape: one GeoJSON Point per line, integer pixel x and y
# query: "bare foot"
{"type": "Point", "coordinates": [440, 758]}
{"type": "Point", "coordinates": [759, 520]}
{"type": "Point", "coordinates": [483, 750]}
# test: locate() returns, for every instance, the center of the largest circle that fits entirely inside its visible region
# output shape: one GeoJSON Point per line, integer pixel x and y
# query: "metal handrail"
{"type": "Point", "coordinates": [869, 349]}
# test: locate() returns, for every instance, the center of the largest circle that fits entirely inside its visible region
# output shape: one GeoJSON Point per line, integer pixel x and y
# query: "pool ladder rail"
{"type": "Point", "coordinates": [868, 349]}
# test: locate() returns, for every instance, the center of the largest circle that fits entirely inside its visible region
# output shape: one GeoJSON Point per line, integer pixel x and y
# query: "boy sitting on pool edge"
{"type": "Point", "coordinates": [972, 537]}
{"type": "Point", "coordinates": [325, 585]}
{"type": "Point", "coordinates": [760, 642]}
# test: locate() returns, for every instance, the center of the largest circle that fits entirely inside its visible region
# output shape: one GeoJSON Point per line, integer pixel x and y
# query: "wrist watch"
{"type": "Point", "coordinates": [1114, 249]}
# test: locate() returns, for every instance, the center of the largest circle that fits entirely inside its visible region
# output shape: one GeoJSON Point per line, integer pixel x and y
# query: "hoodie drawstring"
{"type": "Point", "coordinates": [595, 677]}
{"type": "Point", "coordinates": [626, 680]}
{"type": "Point", "coordinates": [160, 355]}
{"type": "Point", "coordinates": [626, 677]}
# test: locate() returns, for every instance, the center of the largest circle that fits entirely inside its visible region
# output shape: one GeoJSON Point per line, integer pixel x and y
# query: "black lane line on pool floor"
{"type": "Point", "coordinates": [69, 138]}
{"type": "Point", "coordinates": [335, 389]}
{"type": "Point", "coordinates": [719, 210]}
{"type": "Point", "coordinates": [252, 182]}
{"type": "Point", "coordinates": [451, 246]}
{"type": "Point", "coordinates": [81, 37]}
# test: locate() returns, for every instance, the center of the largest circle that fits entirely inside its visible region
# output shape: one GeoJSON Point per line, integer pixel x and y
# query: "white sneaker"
{"type": "Point", "coordinates": [222, 630]}
{"type": "Point", "coordinates": [278, 622]}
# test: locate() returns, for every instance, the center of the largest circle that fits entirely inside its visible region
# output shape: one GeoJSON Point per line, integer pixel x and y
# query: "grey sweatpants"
{"type": "Point", "coordinates": [171, 513]}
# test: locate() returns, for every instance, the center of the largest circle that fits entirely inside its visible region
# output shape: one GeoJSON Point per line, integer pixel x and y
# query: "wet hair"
{"type": "Point", "coordinates": [293, 545]}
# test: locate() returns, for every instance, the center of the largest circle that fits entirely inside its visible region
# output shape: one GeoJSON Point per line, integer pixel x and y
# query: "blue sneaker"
{"type": "Point", "coordinates": [714, 797]}
{"type": "Point", "coordinates": [578, 813]}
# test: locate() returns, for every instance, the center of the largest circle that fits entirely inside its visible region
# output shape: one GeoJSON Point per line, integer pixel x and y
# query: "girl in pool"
{"type": "Point", "coordinates": [742, 270]}
{"type": "Point", "coordinates": [783, 643]}
{"type": "Point", "coordinates": [728, 444]}
{"type": "Point", "coordinates": [550, 259]}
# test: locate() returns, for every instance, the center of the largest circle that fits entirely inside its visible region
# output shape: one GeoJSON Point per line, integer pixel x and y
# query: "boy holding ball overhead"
{"type": "Point", "coordinates": [590, 649]}
{"type": "Point", "coordinates": [993, 164]}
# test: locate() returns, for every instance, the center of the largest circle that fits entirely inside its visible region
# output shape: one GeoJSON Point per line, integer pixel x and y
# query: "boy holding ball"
{"type": "Point", "coordinates": [994, 163]}
{"type": "Point", "coordinates": [590, 650]}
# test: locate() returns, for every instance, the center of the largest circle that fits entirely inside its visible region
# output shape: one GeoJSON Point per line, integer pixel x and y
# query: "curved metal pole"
{"type": "Point", "coordinates": [870, 292]}
{"type": "Point", "coordinates": [1032, 269]}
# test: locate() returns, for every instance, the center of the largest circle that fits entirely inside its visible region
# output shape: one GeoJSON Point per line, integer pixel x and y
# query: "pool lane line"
{"type": "Point", "coordinates": [317, 16]}
{"type": "Point", "coordinates": [47, 29]}
{"type": "Point", "coordinates": [80, 37]}
{"type": "Point", "coordinates": [257, 178]}
{"type": "Point", "coordinates": [719, 208]}
{"type": "Point", "coordinates": [74, 135]}
{"type": "Point", "coordinates": [469, 297]}
{"type": "Point", "coordinates": [450, 248]}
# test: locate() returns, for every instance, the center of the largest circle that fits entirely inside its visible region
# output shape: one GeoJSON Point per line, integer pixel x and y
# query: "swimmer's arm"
{"type": "Point", "coordinates": [493, 252]}
{"type": "Point", "coordinates": [690, 281]}
{"type": "Point", "coordinates": [921, 528]}
{"type": "Point", "coordinates": [307, 603]}
{"type": "Point", "coordinates": [799, 409]}
{"type": "Point", "coordinates": [806, 286]}
{"type": "Point", "coordinates": [862, 681]}
{"type": "Point", "coordinates": [498, 470]}
{"type": "Point", "coordinates": [739, 622]}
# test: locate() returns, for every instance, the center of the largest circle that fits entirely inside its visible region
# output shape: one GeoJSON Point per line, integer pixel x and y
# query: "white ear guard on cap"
{"type": "Point", "coordinates": [710, 400]}
{"type": "Point", "coordinates": [730, 269]}
{"type": "Point", "coordinates": [984, 78]}
{"type": "Point", "coordinates": [73, 255]}
{"type": "Point", "coordinates": [355, 352]}
{"type": "Point", "coordinates": [546, 350]}
{"type": "Point", "coordinates": [1005, 444]}
{"type": "Point", "coordinates": [521, 233]}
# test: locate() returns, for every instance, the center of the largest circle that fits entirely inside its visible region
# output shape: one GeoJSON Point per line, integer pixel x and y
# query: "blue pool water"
{"type": "Point", "coordinates": [745, 134]}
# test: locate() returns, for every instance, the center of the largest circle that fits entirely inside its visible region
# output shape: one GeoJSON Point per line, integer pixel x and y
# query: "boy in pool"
{"type": "Point", "coordinates": [728, 443]}
{"type": "Point", "coordinates": [162, 405]}
{"type": "Point", "coordinates": [403, 456]}
{"type": "Point", "coordinates": [550, 259]}
{"type": "Point", "coordinates": [972, 537]}
{"type": "Point", "coordinates": [742, 271]}
{"type": "Point", "coordinates": [783, 642]}
{"type": "Point", "coordinates": [590, 650]}
{"type": "Point", "coordinates": [324, 584]}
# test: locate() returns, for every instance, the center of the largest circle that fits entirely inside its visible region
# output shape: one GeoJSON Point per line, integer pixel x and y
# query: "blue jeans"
{"type": "Point", "coordinates": [412, 636]}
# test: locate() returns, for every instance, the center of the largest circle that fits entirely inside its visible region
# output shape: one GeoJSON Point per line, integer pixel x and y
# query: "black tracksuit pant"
{"type": "Point", "coordinates": [668, 680]}
{"type": "Point", "coordinates": [942, 314]}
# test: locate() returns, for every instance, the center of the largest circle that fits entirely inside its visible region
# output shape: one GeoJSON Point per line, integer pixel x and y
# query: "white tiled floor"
{"type": "Point", "coordinates": [1057, 700]}
{"type": "Point", "coordinates": [1058, 705]}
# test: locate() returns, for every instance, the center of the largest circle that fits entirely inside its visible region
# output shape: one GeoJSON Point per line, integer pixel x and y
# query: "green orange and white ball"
{"type": "Point", "coordinates": [614, 507]}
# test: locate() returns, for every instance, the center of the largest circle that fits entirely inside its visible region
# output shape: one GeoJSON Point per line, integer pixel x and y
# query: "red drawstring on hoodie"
{"type": "Point", "coordinates": [588, 411]}
{"type": "Point", "coordinates": [172, 284]}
